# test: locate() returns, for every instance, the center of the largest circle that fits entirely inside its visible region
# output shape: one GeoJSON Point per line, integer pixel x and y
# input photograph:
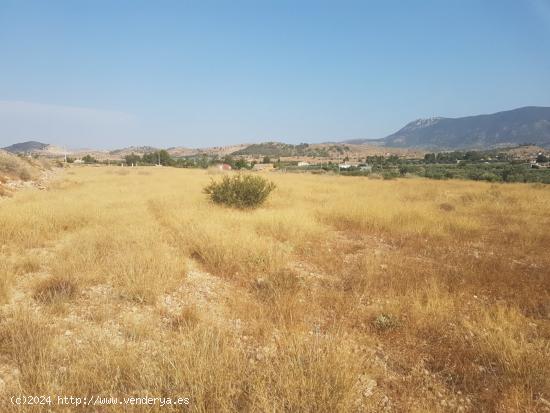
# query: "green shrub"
{"type": "Point", "coordinates": [240, 191]}
{"type": "Point", "coordinates": [385, 322]}
{"type": "Point", "coordinates": [89, 159]}
{"type": "Point", "coordinates": [389, 175]}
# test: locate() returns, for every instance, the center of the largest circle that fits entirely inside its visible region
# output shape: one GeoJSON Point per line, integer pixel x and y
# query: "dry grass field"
{"type": "Point", "coordinates": [340, 294]}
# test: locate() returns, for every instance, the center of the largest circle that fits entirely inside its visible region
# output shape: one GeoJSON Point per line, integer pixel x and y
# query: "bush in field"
{"type": "Point", "coordinates": [240, 191]}
{"type": "Point", "coordinates": [389, 175]}
{"type": "Point", "coordinates": [89, 159]}
{"type": "Point", "coordinates": [24, 174]}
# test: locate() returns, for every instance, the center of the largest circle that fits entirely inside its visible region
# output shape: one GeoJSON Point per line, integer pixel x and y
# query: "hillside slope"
{"type": "Point", "coordinates": [513, 127]}
{"type": "Point", "coordinates": [37, 148]}
{"type": "Point", "coordinates": [277, 149]}
{"type": "Point", "coordinates": [26, 147]}
{"type": "Point", "coordinates": [19, 172]}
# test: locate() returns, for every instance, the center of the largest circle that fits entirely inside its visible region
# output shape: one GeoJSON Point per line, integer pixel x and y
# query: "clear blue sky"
{"type": "Point", "coordinates": [202, 73]}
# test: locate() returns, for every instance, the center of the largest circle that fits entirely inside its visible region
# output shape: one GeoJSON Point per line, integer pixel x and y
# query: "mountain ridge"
{"type": "Point", "coordinates": [529, 124]}
{"type": "Point", "coordinates": [27, 146]}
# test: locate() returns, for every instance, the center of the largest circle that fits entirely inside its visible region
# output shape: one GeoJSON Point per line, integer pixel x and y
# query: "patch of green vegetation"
{"type": "Point", "coordinates": [240, 191]}
{"type": "Point", "coordinates": [491, 166]}
{"type": "Point", "coordinates": [277, 149]}
{"type": "Point", "coordinates": [89, 159]}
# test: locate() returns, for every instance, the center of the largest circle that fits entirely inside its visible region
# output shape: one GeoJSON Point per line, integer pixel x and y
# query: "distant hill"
{"type": "Point", "coordinates": [366, 141]}
{"type": "Point", "coordinates": [180, 151]}
{"type": "Point", "coordinates": [26, 147]}
{"type": "Point", "coordinates": [278, 149]}
{"type": "Point", "coordinates": [513, 127]}
{"type": "Point", "coordinates": [273, 149]}
{"type": "Point", "coordinates": [36, 148]}
{"type": "Point", "coordinates": [327, 150]}
{"type": "Point", "coordinates": [133, 149]}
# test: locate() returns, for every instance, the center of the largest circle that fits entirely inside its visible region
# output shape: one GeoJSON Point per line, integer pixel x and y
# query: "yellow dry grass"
{"type": "Point", "coordinates": [19, 168]}
{"type": "Point", "coordinates": [340, 294]}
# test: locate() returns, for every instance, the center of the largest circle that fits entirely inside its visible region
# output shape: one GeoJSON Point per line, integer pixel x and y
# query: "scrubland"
{"type": "Point", "coordinates": [16, 171]}
{"type": "Point", "coordinates": [339, 294]}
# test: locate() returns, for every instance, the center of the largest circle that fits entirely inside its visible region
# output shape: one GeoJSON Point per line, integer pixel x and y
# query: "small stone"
{"type": "Point", "coordinates": [369, 388]}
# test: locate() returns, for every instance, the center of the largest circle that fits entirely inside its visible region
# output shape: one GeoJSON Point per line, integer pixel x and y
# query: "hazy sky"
{"type": "Point", "coordinates": [201, 73]}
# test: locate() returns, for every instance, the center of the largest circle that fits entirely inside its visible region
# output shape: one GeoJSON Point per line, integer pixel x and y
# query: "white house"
{"type": "Point", "coordinates": [262, 167]}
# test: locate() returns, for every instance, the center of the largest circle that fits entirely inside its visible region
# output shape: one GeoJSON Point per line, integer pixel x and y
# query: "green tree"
{"type": "Point", "coordinates": [89, 159]}
{"type": "Point", "coordinates": [132, 159]}
{"type": "Point", "coordinates": [430, 158]}
{"type": "Point", "coordinates": [161, 157]}
{"type": "Point", "coordinates": [241, 164]}
{"type": "Point", "coordinates": [165, 158]}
